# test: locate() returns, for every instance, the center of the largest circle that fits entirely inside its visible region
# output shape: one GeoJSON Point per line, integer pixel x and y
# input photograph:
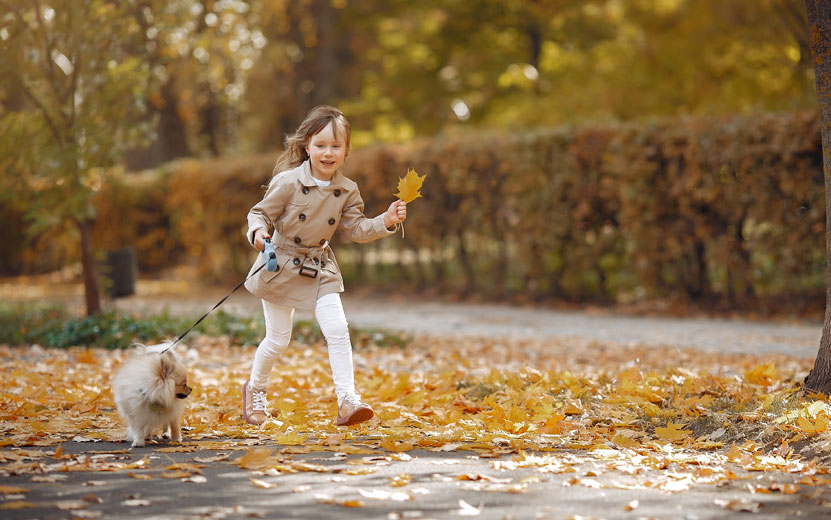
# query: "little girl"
{"type": "Point", "coordinates": [306, 201]}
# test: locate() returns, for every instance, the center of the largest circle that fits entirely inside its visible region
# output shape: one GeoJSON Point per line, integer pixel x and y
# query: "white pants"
{"type": "Point", "coordinates": [332, 320]}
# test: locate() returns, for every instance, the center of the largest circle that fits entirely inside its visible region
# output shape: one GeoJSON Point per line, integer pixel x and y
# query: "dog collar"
{"type": "Point", "coordinates": [154, 407]}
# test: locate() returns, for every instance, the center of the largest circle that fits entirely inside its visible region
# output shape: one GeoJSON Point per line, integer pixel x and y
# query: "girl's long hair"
{"type": "Point", "coordinates": [294, 152]}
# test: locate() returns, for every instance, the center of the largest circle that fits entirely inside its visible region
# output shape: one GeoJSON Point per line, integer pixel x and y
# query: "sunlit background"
{"type": "Point", "coordinates": [95, 87]}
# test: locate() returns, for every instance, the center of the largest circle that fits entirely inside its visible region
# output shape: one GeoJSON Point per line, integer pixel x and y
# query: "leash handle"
{"type": "Point", "coordinates": [220, 302]}
{"type": "Point", "coordinates": [269, 255]}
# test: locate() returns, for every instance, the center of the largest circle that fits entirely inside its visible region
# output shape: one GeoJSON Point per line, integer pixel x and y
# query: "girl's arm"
{"type": "Point", "coordinates": [262, 216]}
{"type": "Point", "coordinates": [362, 229]}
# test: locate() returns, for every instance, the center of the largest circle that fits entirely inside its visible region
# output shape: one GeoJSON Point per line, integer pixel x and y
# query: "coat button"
{"type": "Point", "coordinates": [331, 222]}
{"type": "Point", "coordinates": [296, 240]}
{"type": "Point", "coordinates": [302, 217]}
{"type": "Point", "coordinates": [317, 261]}
{"type": "Point", "coordinates": [322, 264]}
{"type": "Point", "coordinates": [305, 190]}
{"type": "Point", "coordinates": [323, 241]}
{"type": "Point", "coordinates": [337, 193]}
{"type": "Point", "coordinates": [296, 261]}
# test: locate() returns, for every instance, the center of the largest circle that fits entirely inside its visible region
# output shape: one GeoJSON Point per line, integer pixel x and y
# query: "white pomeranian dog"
{"type": "Point", "coordinates": [150, 390]}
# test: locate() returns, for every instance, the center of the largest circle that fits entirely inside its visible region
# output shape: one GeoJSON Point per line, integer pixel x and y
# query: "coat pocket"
{"type": "Point", "coordinates": [265, 280]}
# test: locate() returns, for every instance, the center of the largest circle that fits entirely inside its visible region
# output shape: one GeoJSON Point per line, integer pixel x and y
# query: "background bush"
{"type": "Point", "coordinates": [722, 209]}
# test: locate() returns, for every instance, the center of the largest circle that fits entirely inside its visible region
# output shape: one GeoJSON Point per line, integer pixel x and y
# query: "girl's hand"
{"type": "Point", "coordinates": [396, 213]}
{"type": "Point", "coordinates": [259, 239]}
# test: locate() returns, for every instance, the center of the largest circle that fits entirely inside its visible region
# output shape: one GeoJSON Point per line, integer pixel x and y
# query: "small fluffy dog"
{"type": "Point", "coordinates": [150, 391]}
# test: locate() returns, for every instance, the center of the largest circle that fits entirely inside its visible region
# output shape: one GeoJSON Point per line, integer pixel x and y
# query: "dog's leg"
{"type": "Point", "coordinates": [130, 436]}
{"type": "Point", "coordinates": [175, 431]}
{"type": "Point", "coordinates": [136, 436]}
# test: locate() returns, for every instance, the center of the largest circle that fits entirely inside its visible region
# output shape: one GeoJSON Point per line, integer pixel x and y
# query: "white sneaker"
{"type": "Point", "coordinates": [353, 411]}
{"type": "Point", "coordinates": [254, 405]}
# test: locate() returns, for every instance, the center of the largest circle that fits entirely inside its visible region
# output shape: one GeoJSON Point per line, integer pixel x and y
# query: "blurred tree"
{"type": "Point", "coordinates": [510, 64]}
{"type": "Point", "coordinates": [236, 75]}
{"type": "Point", "coordinates": [313, 56]}
{"type": "Point", "coordinates": [201, 51]}
{"type": "Point", "coordinates": [74, 82]}
{"type": "Point", "coordinates": [819, 20]}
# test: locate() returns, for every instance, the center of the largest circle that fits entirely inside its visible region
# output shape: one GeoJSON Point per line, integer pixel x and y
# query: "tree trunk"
{"type": "Point", "coordinates": [467, 266]}
{"type": "Point", "coordinates": [819, 28]}
{"type": "Point", "coordinates": [90, 270]}
{"type": "Point", "coordinates": [326, 66]}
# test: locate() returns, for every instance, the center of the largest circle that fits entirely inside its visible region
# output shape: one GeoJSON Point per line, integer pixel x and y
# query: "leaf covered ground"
{"type": "Point", "coordinates": [658, 418]}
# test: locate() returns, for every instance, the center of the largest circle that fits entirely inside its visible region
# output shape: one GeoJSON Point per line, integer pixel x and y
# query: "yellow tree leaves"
{"type": "Point", "coordinates": [409, 186]}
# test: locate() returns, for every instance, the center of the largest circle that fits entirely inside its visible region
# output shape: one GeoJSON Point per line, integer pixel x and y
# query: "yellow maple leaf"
{"type": "Point", "coordinates": [409, 186]}
{"type": "Point", "coordinates": [672, 432]}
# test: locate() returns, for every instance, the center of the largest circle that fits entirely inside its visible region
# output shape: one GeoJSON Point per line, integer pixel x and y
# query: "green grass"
{"type": "Point", "coordinates": [53, 326]}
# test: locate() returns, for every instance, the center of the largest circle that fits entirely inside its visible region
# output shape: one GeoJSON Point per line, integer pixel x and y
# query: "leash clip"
{"type": "Point", "coordinates": [270, 255]}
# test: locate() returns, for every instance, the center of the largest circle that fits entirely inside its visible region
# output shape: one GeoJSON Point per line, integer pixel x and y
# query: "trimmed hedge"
{"type": "Point", "coordinates": [719, 209]}
{"type": "Point", "coordinates": [724, 209]}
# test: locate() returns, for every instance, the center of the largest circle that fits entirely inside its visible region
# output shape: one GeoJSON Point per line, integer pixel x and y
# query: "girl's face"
{"type": "Point", "coordinates": [327, 151]}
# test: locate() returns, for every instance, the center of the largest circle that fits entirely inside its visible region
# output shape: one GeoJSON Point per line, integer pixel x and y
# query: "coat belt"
{"type": "Point", "coordinates": [281, 242]}
{"type": "Point", "coordinates": [313, 256]}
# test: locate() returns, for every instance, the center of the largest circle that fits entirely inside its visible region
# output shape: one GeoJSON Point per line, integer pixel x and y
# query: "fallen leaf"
{"type": "Point", "coordinates": [631, 505]}
{"type": "Point", "coordinates": [11, 490]}
{"type": "Point", "coordinates": [68, 505]}
{"type": "Point", "coordinates": [466, 509]}
{"type": "Point", "coordinates": [176, 474]}
{"type": "Point", "coordinates": [135, 502]}
{"type": "Point", "coordinates": [672, 432]}
{"type": "Point", "coordinates": [17, 504]}
{"type": "Point", "coordinates": [48, 478]}
{"type": "Point", "coordinates": [400, 480]}
{"type": "Point", "coordinates": [262, 484]}
{"type": "Point", "coordinates": [215, 458]}
{"type": "Point", "coordinates": [381, 494]}
{"type": "Point", "coordinates": [739, 505]}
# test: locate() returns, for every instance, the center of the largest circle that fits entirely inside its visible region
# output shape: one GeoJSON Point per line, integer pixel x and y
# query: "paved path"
{"type": "Point", "coordinates": [438, 481]}
{"type": "Point", "coordinates": [796, 338]}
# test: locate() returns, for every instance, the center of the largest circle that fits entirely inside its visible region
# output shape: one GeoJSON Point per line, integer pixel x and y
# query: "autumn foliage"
{"type": "Point", "coordinates": [690, 417]}
{"type": "Point", "coordinates": [722, 209]}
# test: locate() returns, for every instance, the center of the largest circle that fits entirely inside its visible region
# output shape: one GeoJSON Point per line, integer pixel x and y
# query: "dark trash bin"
{"type": "Point", "coordinates": [122, 271]}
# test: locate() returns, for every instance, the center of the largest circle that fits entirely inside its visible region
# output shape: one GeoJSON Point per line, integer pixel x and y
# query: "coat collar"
{"type": "Point", "coordinates": [338, 179]}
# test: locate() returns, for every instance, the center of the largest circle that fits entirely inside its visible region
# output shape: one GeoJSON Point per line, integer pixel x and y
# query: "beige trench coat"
{"type": "Point", "coordinates": [301, 218]}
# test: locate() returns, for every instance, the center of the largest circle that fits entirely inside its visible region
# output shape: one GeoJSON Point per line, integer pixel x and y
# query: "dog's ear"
{"type": "Point", "coordinates": [167, 365]}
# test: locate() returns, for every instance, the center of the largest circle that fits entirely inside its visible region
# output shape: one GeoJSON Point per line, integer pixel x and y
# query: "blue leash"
{"type": "Point", "coordinates": [269, 262]}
